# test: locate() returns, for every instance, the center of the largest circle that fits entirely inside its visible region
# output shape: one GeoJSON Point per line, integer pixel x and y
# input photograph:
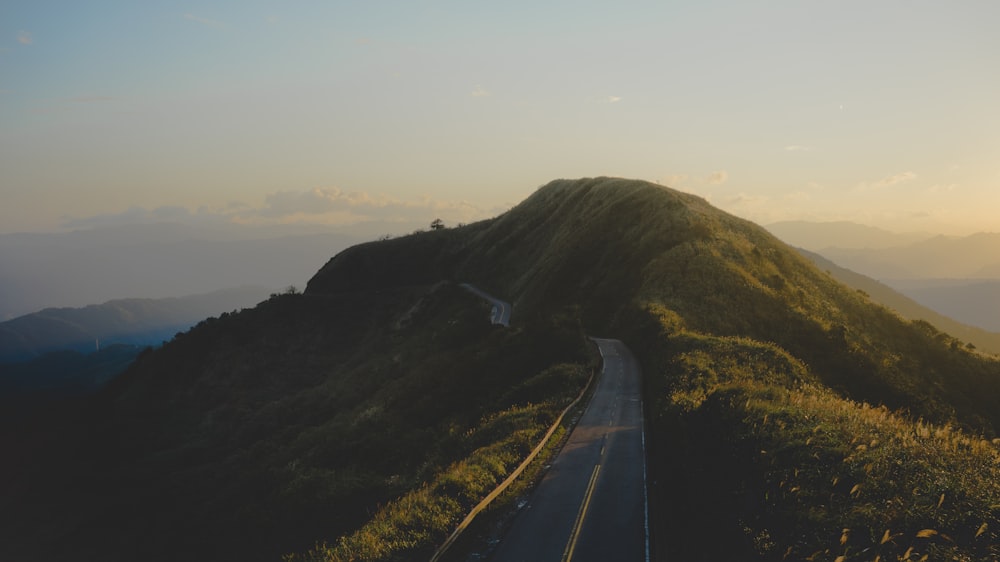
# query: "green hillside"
{"type": "Point", "coordinates": [733, 328]}
{"type": "Point", "coordinates": [789, 417]}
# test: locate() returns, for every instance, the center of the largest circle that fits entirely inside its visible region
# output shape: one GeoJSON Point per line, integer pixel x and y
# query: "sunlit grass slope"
{"type": "Point", "coordinates": [750, 351]}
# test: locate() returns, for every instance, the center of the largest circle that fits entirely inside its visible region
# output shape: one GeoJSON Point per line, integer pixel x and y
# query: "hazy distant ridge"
{"type": "Point", "coordinates": [957, 277]}
{"type": "Point", "coordinates": [132, 321]}
{"type": "Point", "coordinates": [817, 236]}
{"type": "Point", "coordinates": [908, 307]}
{"type": "Point", "coordinates": [153, 261]}
{"type": "Point", "coordinates": [974, 256]}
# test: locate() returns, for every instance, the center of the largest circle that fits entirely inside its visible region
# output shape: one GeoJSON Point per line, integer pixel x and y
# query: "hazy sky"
{"type": "Point", "coordinates": [883, 112]}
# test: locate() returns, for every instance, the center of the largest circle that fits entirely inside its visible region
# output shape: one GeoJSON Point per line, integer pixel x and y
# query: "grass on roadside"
{"type": "Point", "coordinates": [768, 464]}
{"type": "Point", "coordinates": [416, 523]}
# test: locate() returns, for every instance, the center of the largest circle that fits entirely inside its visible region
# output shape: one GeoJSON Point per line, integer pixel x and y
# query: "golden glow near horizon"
{"type": "Point", "coordinates": [882, 113]}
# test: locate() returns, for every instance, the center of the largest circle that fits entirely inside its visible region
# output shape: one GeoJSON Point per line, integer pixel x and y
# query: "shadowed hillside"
{"type": "Point", "coordinates": [266, 431]}
{"type": "Point", "coordinates": [789, 416]}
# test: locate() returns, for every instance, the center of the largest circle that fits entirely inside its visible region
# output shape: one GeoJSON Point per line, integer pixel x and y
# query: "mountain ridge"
{"type": "Point", "coordinates": [761, 372]}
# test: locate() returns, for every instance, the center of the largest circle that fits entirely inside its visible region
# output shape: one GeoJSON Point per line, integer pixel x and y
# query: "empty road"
{"type": "Point", "coordinates": [501, 309]}
{"type": "Point", "coordinates": [591, 503]}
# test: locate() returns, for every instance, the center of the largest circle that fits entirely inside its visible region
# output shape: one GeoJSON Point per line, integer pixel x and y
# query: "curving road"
{"type": "Point", "coordinates": [591, 504]}
{"type": "Point", "coordinates": [501, 309]}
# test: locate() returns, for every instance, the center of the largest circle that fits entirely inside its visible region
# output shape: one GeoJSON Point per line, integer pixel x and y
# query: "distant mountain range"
{"type": "Point", "coordinates": [972, 301]}
{"type": "Point", "coordinates": [817, 236]}
{"type": "Point", "coordinates": [124, 321]}
{"type": "Point", "coordinates": [155, 261]}
{"type": "Point", "coordinates": [969, 257]}
{"type": "Point", "coordinates": [885, 255]}
{"type": "Point", "coordinates": [958, 277]}
{"type": "Point", "coordinates": [982, 304]}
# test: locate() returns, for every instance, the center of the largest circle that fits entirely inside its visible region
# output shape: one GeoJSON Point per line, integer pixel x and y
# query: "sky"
{"type": "Point", "coordinates": [264, 112]}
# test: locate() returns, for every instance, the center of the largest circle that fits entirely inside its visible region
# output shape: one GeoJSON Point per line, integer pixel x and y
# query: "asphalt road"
{"type": "Point", "coordinates": [501, 309]}
{"type": "Point", "coordinates": [591, 504]}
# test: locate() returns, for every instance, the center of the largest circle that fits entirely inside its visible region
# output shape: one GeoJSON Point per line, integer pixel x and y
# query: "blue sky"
{"type": "Point", "coordinates": [882, 112]}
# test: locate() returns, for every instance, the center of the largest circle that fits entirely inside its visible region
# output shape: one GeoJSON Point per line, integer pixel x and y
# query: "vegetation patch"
{"type": "Point", "coordinates": [757, 460]}
{"type": "Point", "coordinates": [416, 523]}
{"type": "Point", "coordinates": [369, 421]}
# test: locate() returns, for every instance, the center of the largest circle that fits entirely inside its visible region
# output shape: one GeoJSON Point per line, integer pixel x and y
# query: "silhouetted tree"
{"type": "Point", "coordinates": [437, 224]}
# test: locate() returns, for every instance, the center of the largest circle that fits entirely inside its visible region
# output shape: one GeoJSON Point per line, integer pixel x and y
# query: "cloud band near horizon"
{"type": "Point", "coordinates": [321, 206]}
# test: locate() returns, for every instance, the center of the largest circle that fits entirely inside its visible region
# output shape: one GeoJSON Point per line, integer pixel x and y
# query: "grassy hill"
{"type": "Point", "coordinates": [789, 416]}
{"type": "Point", "coordinates": [734, 327]}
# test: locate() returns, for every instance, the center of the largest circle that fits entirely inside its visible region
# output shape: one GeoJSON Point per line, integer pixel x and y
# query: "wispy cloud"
{"type": "Point", "coordinates": [887, 181]}
{"type": "Point", "coordinates": [797, 148]}
{"type": "Point", "coordinates": [321, 206]}
{"type": "Point", "coordinates": [480, 92]}
{"type": "Point", "coordinates": [204, 21]}
{"type": "Point", "coordinates": [896, 178]}
{"type": "Point", "coordinates": [25, 38]}
{"type": "Point", "coordinates": [138, 215]}
{"type": "Point", "coordinates": [717, 178]}
{"type": "Point", "coordinates": [614, 99]}
{"type": "Point", "coordinates": [938, 188]}
{"type": "Point", "coordinates": [675, 180]}
{"type": "Point", "coordinates": [360, 205]}
{"type": "Point", "coordinates": [743, 201]}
